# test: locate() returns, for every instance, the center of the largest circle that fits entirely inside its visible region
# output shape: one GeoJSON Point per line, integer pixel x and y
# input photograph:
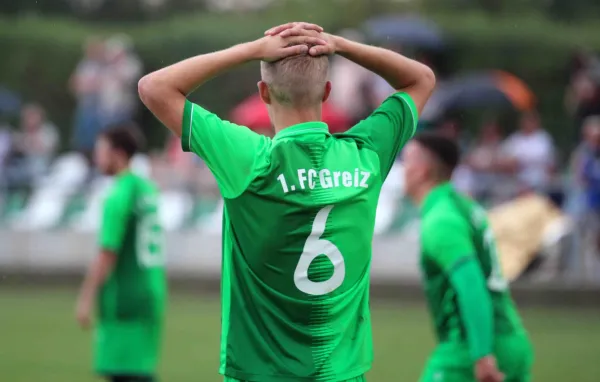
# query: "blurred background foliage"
{"type": "Point", "coordinates": [534, 39]}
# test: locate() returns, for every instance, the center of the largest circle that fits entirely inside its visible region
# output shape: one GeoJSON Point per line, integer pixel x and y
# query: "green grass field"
{"type": "Point", "coordinates": [40, 342]}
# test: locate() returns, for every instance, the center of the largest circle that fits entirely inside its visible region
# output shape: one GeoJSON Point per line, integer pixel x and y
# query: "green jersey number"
{"type": "Point", "coordinates": [150, 240]}
{"type": "Point", "coordinates": [313, 247]}
{"type": "Point", "coordinates": [496, 282]}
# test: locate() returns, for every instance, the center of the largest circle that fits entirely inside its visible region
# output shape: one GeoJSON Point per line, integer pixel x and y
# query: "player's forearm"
{"type": "Point", "coordinates": [164, 91]}
{"type": "Point", "coordinates": [96, 276]}
{"type": "Point", "coordinates": [475, 308]}
{"type": "Point", "coordinates": [187, 75]}
{"type": "Point", "coordinates": [399, 71]}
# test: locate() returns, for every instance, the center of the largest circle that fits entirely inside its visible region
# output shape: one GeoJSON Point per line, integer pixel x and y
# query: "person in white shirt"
{"type": "Point", "coordinates": [530, 155]}
{"type": "Point", "coordinates": [118, 96]}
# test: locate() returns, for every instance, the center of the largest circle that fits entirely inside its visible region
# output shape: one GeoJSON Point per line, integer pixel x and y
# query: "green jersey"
{"type": "Point", "coordinates": [298, 224]}
{"type": "Point", "coordinates": [136, 288]}
{"type": "Point", "coordinates": [132, 300]}
{"type": "Point", "coordinates": [455, 229]}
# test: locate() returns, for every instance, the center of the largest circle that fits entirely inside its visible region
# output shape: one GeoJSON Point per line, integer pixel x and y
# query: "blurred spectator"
{"type": "Point", "coordinates": [530, 154]}
{"type": "Point", "coordinates": [484, 160]}
{"type": "Point", "coordinates": [589, 163]}
{"type": "Point", "coordinates": [37, 137]}
{"type": "Point", "coordinates": [580, 192]}
{"type": "Point", "coordinates": [33, 147]}
{"type": "Point", "coordinates": [5, 146]}
{"type": "Point", "coordinates": [5, 141]}
{"type": "Point", "coordinates": [451, 128]}
{"type": "Point", "coordinates": [583, 93]}
{"type": "Point", "coordinates": [85, 84]}
{"type": "Point", "coordinates": [351, 90]}
{"type": "Point", "coordinates": [118, 94]}
{"type": "Point", "coordinates": [585, 202]}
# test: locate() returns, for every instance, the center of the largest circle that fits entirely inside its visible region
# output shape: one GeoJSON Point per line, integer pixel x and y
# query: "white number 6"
{"type": "Point", "coordinates": [314, 247]}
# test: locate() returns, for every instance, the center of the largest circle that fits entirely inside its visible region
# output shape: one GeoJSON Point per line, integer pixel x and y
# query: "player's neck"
{"type": "Point", "coordinates": [423, 191]}
{"type": "Point", "coordinates": [122, 169]}
{"type": "Point", "coordinates": [285, 117]}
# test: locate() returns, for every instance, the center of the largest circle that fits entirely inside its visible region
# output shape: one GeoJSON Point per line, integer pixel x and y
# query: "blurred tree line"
{"type": "Point", "coordinates": [561, 10]}
{"type": "Point", "coordinates": [102, 10]}
{"type": "Point", "coordinates": [37, 65]}
{"type": "Point", "coordinates": [140, 10]}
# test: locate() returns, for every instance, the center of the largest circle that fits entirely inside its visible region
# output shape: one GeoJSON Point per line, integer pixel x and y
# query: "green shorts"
{"type": "Point", "coordinates": [460, 375]}
{"type": "Point", "coordinates": [362, 378]}
{"type": "Point", "coordinates": [130, 348]}
{"type": "Point", "coordinates": [450, 362]}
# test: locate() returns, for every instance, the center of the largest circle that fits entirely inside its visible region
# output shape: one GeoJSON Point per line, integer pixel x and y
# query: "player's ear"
{"type": "Point", "coordinates": [327, 91]}
{"type": "Point", "coordinates": [263, 91]}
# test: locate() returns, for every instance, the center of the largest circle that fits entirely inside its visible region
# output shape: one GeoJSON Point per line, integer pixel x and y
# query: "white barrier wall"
{"type": "Point", "coordinates": [189, 254]}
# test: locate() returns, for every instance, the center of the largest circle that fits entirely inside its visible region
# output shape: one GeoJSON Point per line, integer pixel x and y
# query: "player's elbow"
{"type": "Point", "coordinates": [148, 90]}
{"type": "Point", "coordinates": [163, 100]}
{"type": "Point", "coordinates": [153, 91]}
{"type": "Point", "coordinates": [427, 78]}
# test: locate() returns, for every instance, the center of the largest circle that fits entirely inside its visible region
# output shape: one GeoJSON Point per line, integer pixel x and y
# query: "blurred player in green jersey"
{"type": "Point", "coordinates": [126, 282]}
{"type": "Point", "coordinates": [299, 208]}
{"type": "Point", "coordinates": [479, 332]}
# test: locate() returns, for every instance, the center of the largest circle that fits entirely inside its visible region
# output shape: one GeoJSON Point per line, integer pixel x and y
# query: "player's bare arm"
{"type": "Point", "coordinates": [164, 91]}
{"type": "Point", "coordinates": [97, 273]}
{"type": "Point", "coordinates": [402, 73]}
{"type": "Point", "coordinates": [476, 309]}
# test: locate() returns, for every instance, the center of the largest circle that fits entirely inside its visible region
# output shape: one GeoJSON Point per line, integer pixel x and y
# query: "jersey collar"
{"type": "Point", "coordinates": [302, 129]}
{"type": "Point", "coordinates": [434, 195]}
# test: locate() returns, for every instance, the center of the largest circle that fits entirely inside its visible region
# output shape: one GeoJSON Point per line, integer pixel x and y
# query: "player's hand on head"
{"type": "Point", "coordinates": [306, 29]}
{"type": "Point", "coordinates": [317, 50]}
{"type": "Point", "coordinates": [273, 48]}
{"type": "Point", "coordinates": [327, 49]}
{"type": "Point", "coordinates": [486, 370]}
{"type": "Point", "coordinates": [299, 25]}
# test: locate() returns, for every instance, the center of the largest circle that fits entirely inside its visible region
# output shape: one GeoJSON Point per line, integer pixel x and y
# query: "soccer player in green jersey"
{"type": "Point", "coordinates": [126, 282]}
{"type": "Point", "coordinates": [479, 332]}
{"type": "Point", "coordinates": [299, 208]}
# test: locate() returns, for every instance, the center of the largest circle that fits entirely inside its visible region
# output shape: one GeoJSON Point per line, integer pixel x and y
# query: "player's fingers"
{"type": "Point", "coordinates": [293, 25]}
{"type": "Point", "coordinates": [280, 28]}
{"type": "Point", "coordinates": [319, 50]}
{"type": "Point", "coordinates": [291, 32]}
{"type": "Point", "coordinates": [308, 40]}
{"type": "Point", "coordinates": [294, 50]}
{"type": "Point", "coordinates": [309, 26]}
{"type": "Point", "coordinates": [299, 32]}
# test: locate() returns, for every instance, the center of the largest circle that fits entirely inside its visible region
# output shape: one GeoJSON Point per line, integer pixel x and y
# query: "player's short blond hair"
{"type": "Point", "coordinates": [296, 81]}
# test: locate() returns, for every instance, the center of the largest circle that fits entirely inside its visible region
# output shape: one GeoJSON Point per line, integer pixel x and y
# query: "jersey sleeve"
{"type": "Point", "coordinates": [475, 307]}
{"type": "Point", "coordinates": [389, 127]}
{"type": "Point", "coordinates": [115, 220]}
{"type": "Point", "coordinates": [448, 241]}
{"type": "Point", "coordinates": [230, 151]}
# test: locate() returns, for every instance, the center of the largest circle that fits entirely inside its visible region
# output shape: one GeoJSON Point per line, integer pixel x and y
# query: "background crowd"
{"type": "Point", "coordinates": [518, 87]}
{"type": "Point", "coordinates": [508, 149]}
